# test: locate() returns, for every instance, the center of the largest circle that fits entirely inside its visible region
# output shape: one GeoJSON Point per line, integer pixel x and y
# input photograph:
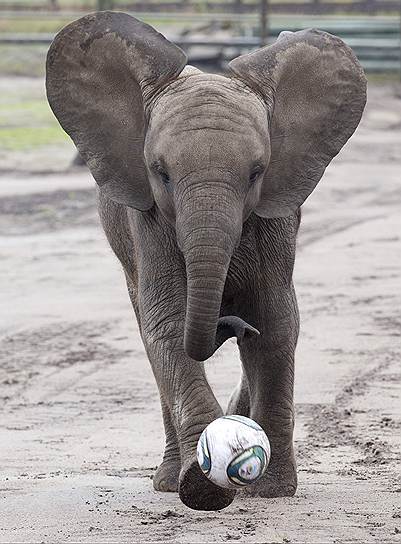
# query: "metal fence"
{"type": "Point", "coordinates": [212, 6]}
{"type": "Point", "coordinates": [375, 40]}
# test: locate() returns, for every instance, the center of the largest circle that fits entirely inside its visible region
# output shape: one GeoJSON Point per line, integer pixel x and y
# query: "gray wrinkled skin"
{"type": "Point", "coordinates": [200, 193]}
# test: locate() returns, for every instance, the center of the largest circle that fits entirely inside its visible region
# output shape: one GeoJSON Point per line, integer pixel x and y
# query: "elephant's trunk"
{"type": "Point", "coordinates": [208, 230]}
{"type": "Point", "coordinates": [207, 265]}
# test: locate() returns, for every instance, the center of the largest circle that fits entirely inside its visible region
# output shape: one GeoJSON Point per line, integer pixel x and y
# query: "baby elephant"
{"type": "Point", "coordinates": [201, 178]}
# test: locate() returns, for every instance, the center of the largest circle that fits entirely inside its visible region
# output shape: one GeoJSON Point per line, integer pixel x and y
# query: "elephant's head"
{"type": "Point", "coordinates": [207, 150]}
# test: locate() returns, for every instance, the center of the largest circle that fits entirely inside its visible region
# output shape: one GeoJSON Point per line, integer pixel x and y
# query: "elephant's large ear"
{"type": "Point", "coordinates": [101, 70]}
{"type": "Point", "coordinates": [315, 91]}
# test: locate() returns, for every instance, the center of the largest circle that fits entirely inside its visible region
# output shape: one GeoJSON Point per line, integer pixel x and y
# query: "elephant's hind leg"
{"type": "Point", "coordinates": [239, 401]}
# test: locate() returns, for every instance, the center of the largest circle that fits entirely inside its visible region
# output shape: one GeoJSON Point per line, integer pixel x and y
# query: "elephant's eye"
{"type": "Point", "coordinates": [256, 172]}
{"type": "Point", "coordinates": [160, 170]}
{"type": "Point", "coordinates": [164, 177]}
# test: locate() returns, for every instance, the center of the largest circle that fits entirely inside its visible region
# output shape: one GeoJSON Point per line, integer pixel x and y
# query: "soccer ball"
{"type": "Point", "coordinates": [233, 451]}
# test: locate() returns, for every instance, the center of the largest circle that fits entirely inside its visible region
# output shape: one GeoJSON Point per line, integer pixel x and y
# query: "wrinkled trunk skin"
{"type": "Point", "coordinates": [208, 229]}
{"type": "Point", "coordinates": [207, 268]}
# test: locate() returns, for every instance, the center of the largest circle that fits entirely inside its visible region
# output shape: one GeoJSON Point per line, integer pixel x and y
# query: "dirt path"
{"type": "Point", "coordinates": [81, 432]}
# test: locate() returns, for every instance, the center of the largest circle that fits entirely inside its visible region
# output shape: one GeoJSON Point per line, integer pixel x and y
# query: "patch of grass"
{"type": "Point", "coordinates": [26, 120]}
{"type": "Point", "coordinates": [33, 25]}
{"type": "Point", "coordinates": [385, 78]}
{"type": "Point", "coordinates": [25, 138]}
{"type": "Point", "coordinates": [30, 113]}
{"type": "Point", "coordinates": [22, 60]}
{"type": "Point", "coordinates": [50, 25]}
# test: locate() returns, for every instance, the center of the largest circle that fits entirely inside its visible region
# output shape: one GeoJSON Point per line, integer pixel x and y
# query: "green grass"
{"type": "Point", "coordinates": [33, 25]}
{"type": "Point", "coordinates": [385, 78]}
{"type": "Point", "coordinates": [22, 60]}
{"type": "Point", "coordinates": [28, 138]}
{"type": "Point", "coordinates": [52, 25]}
{"type": "Point", "coordinates": [30, 112]}
{"type": "Point", "coordinates": [43, 4]}
{"type": "Point", "coordinates": [26, 121]}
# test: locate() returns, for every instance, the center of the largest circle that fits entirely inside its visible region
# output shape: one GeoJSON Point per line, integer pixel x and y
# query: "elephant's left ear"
{"type": "Point", "coordinates": [315, 91]}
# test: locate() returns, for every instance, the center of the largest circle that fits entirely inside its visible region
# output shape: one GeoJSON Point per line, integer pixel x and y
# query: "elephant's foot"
{"type": "Point", "coordinates": [277, 482]}
{"type": "Point", "coordinates": [166, 476]}
{"type": "Point", "coordinates": [199, 493]}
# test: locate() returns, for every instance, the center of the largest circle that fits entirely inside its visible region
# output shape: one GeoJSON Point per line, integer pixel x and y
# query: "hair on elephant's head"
{"type": "Point", "coordinates": [207, 150]}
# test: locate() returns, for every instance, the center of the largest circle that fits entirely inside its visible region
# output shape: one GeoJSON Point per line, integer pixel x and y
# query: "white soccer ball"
{"type": "Point", "coordinates": [233, 451]}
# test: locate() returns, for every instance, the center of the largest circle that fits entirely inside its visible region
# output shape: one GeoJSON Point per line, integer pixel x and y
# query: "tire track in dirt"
{"type": "Point", "coordinates": [50, 211]}
{"type": "Point", "coordinates": [39, 353]}
{"type": "Point", "coordinates": [333, 425]}
{"type": "Point", "coordinates": [320, 230]}
{"type": "Point", "coordinates": [37, 366]}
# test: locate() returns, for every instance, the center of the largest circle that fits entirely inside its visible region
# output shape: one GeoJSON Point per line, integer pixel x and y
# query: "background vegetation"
{"type": "Point", "coordinates": [26, 122]}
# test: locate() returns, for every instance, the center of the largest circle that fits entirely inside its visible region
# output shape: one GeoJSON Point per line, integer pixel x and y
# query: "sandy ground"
{"type": "Point", "coordinates": [81, 431]}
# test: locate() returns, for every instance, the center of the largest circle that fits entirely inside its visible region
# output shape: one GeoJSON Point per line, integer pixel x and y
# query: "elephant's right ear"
{"type": "Point", "coordinates": [101, 70]}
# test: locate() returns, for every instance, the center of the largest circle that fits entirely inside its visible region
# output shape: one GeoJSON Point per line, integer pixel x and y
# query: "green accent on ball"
{"type": "Point", "coordinates": [258, 454]}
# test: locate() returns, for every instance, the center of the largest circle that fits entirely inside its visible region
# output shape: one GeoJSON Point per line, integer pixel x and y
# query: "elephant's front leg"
{"type": "Point", "coordinates": [167, 473]}
{"type": "Point", "coordinates": [269, 365]}
{"type": "Point", "coordinates": [191, 406]}
{"type": "Point", "coordinates": [187, 399]}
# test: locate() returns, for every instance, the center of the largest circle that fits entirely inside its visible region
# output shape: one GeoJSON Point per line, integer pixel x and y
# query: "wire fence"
{"type": "Point", "coordinates": [211, 6]}
{"type": "Point", "coordinates": [375, 39]}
